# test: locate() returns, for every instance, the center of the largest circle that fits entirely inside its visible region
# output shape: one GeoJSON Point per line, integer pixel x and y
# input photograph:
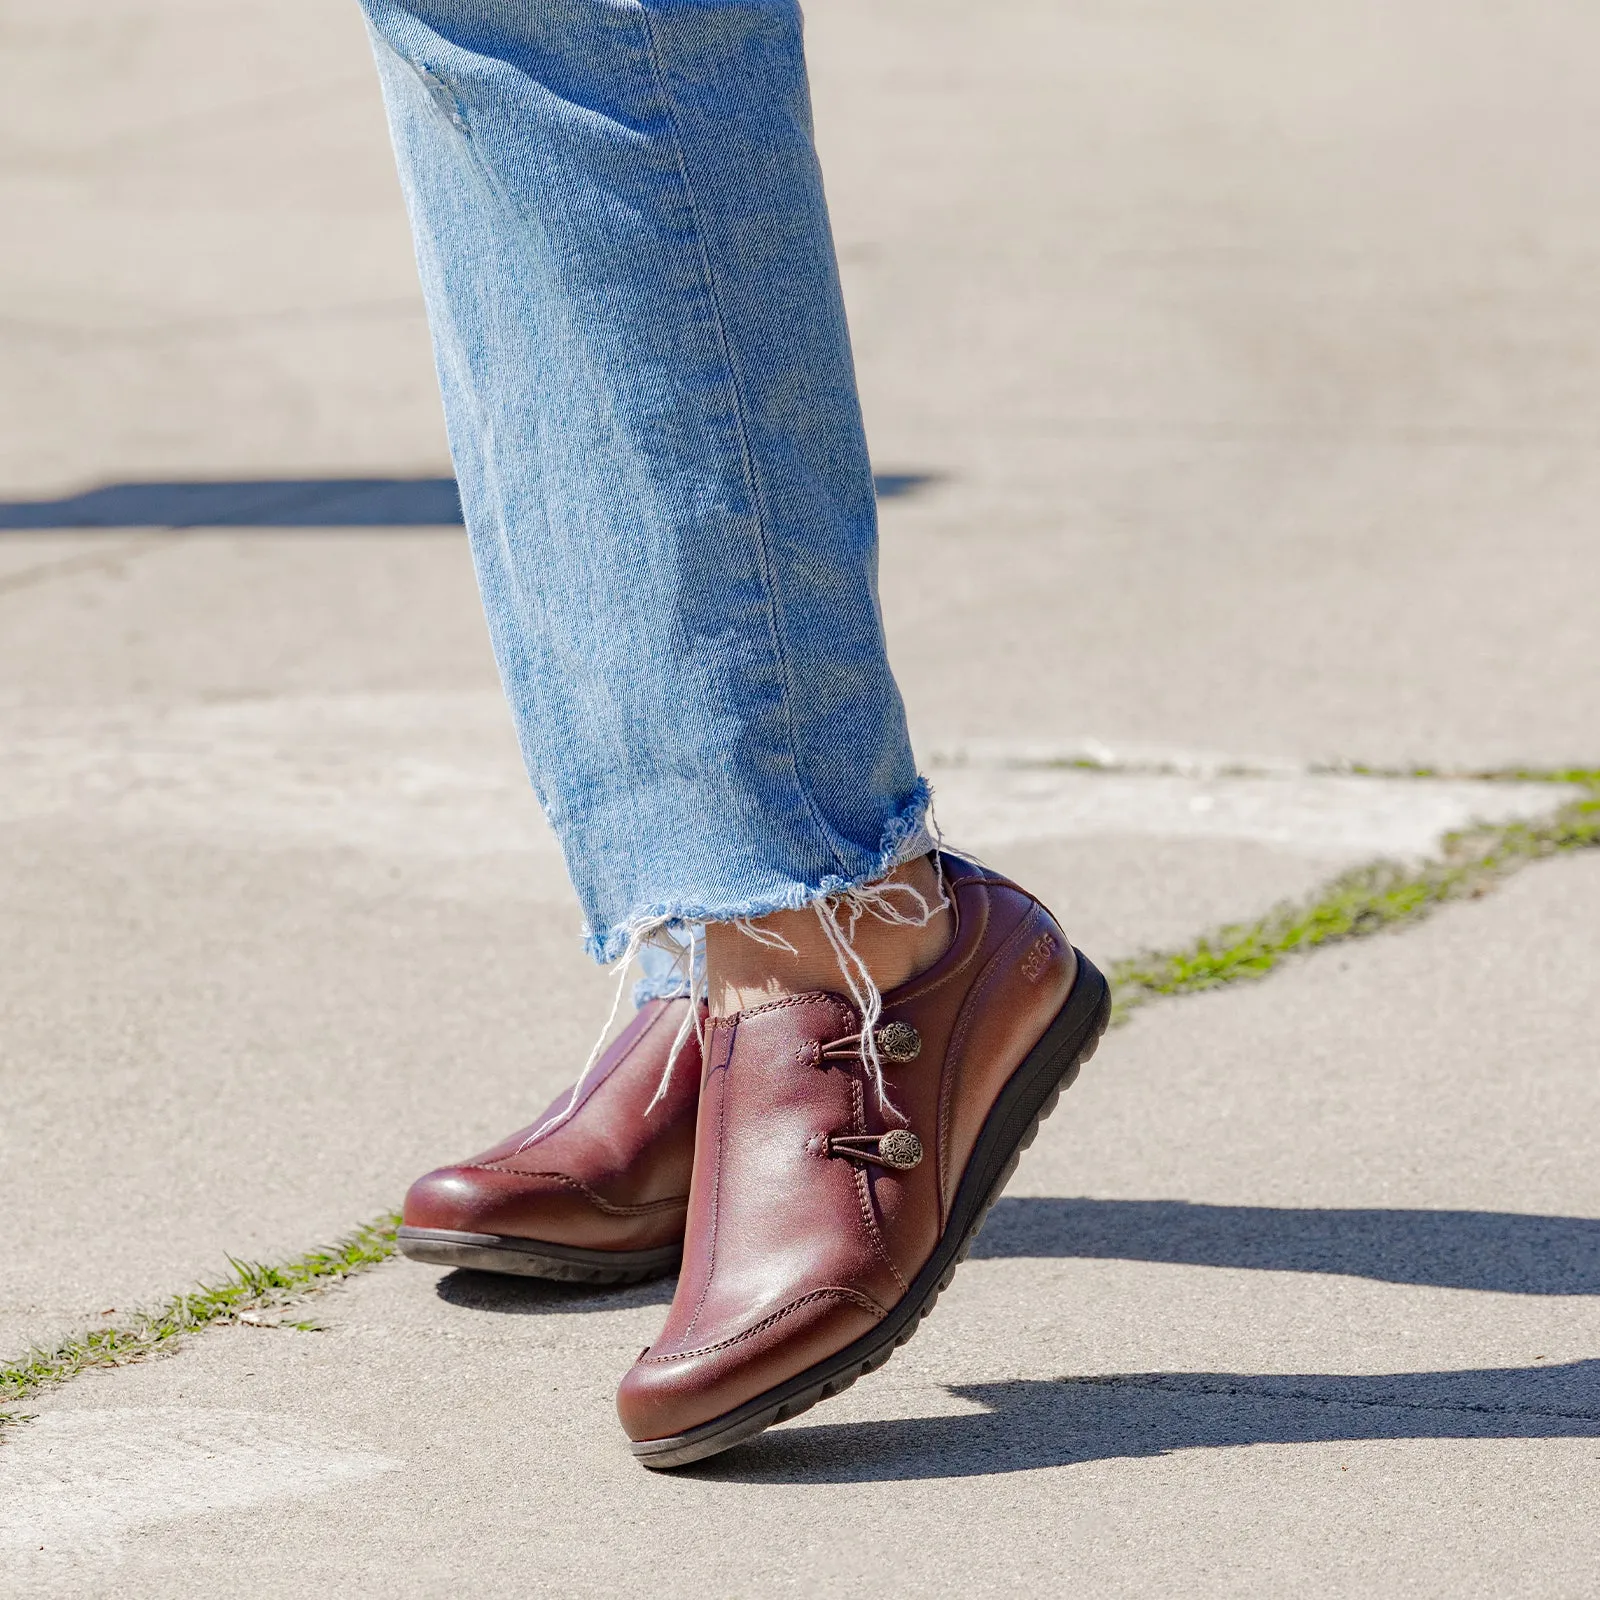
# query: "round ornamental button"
{"type": "Point", "coordinates": [900, 1149]}
{"type": "Point", "coordinates": [898, 1041]}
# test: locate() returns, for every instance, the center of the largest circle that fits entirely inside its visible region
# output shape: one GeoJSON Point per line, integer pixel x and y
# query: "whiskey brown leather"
{"type": "Point", "coordinates": [611, 1177]}
{"type": "Point", "coordinates": [793, 1250]}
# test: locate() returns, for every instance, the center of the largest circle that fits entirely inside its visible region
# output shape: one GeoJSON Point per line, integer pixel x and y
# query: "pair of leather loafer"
{"type": "Point", "coordinates": [817, 1214]}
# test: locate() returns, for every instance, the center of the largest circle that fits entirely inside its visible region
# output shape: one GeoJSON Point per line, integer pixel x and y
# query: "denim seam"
{"type": "Point", "coordinates": [752, 486]}
{"type": "Point", "coordinates": [438, 84]}
{"type": "Point", "coordinates": [430, 70]}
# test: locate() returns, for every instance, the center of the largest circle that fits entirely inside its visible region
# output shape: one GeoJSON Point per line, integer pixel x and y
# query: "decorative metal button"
{"type": "Point", "coordinates": [898, 1041]}
{"type": "Point", "coordinates": [900, 1148]}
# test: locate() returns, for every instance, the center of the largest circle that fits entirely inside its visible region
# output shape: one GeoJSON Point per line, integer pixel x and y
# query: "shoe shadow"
{"type": "Point", "coordinates": [1070, 1421]}
{"type": "Point", "coordinates": [499, 1292]}
{"type": "Point", "coordinates": [1502, 1252]}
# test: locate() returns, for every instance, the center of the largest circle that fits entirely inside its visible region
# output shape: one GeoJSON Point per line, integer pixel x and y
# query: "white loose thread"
{"type": "Point", "coordinates": [683, 954]}
{"type": "Point", "coordinates": [839, 914]}
{"type": "Point", "coordinates": [875, 900]}
{"type": "Point", "coordinates": [693, 1023]}
{"type": "Point", "coordinates": [645, 933]}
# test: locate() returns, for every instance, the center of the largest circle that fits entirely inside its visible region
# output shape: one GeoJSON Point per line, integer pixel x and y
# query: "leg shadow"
{"type": "Point", "coordinates": [1505, 1252]}
{"type": "Point", "coordinates": [249, 503]}
{"type": "Point", "coordinates": [1068, 1421]}
{"type": "Point", "coordinates": [287, 503]}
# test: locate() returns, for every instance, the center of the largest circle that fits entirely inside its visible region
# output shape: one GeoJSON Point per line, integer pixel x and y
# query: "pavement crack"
{"type": "Point", "coordinates": [1357, 904]}
{"type": "Point", "coordinates": [249, 1290]}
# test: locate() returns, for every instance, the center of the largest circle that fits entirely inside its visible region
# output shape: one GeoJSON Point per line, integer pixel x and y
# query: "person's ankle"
{"type": "Point", "coordinates": [747, 969]}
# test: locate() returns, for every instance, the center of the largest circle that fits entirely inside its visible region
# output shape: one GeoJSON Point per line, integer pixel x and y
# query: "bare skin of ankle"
{"type": "Point", "coordinates": [742, 973]}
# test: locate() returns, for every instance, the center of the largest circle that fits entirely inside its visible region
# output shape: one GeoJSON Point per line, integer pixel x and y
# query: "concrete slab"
{"type": "Point", "coordinates": [256, 1057]}
{"type": "Point", "coordinates": [1296, 1292]}
{"type": "Point", "coordinates": [178, 619]}
{"type": "Point", "coordinates": [277, 900]}
{"type": "Point", "coordinates": [1250, 358]}
{"type": "Point", "coordinates": [1254, 350]}
{"type": "Point", "coordinates": [209, 272]}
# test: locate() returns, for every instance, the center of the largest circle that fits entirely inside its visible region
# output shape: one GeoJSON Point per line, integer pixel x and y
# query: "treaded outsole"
{"type": "Point", "coordinates": [1030, 1096]}
{"type": "Point", "coordinates": [530, 1258]}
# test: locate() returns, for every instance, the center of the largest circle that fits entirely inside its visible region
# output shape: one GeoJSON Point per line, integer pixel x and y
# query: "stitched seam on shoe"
{"type": "Point", "coordinates": [813, 997]}
{"type": "Point", "coordinates": [905, 996]}
{"type": "Point", "coordinates": [959, 1033]}
{"type": "Point", "coordinates": [588, 1194]}
{"type": "Point", "coordinates": [865, 1302]}
{"type": "Point", "coordinates": [958, 1038]}
{"type": "Point", "coordinates": [863, 1192]}
{"type": "Point", "coordinates": [716, 1192]}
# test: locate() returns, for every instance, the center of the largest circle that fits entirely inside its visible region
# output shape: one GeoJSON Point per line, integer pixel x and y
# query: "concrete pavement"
{"type": "Point", "coordinates": [1327, 1326]}
{"type": "Point", "coordinates": [1249, 364]}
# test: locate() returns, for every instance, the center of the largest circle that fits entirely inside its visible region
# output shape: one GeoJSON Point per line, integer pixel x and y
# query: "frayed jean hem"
{"type": "Point", "coordinates": [907, 836]}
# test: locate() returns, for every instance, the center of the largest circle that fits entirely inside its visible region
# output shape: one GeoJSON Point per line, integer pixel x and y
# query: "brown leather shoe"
{"type": "Point", "coordinates": [822, 1230]}
{"type": "Point", "coordinates": [599, 1199]}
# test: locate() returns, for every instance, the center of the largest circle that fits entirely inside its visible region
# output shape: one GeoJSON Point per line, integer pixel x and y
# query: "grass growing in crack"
{"type": "Point", "coordinates": [1589, 776]}
{"type": "Point", "coordinates": [250, 1289]}
{"type": "Point", "coordinates": [1357, 903]}
{"type": "Point", "coordinates": [1199, 767]}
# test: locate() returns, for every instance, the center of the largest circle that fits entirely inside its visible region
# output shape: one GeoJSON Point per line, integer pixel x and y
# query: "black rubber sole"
{"type": "Point", "coordinates": [531, 1258]}
{"type": "Point", "coordinates": [1027, 1099]}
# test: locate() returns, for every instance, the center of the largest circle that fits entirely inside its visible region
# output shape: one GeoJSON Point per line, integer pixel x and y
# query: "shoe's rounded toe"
{"type": "Point", "coordinates": [480, 1200]}
{"type": "Point", "coordinates": [446, 1198]}
{"type": "Point", "coordinates": [538, 1207]}
{"type": "Point", "coordinates": [670, 1390]}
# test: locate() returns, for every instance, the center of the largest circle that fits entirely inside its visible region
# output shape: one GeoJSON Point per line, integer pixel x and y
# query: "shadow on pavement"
{"type": "Point", "coordinates": [284, 503]}
{"type": "Point", "coordinates": [1504, 1252]}
{"type": "Point", "coordinates": [1069, 1421]}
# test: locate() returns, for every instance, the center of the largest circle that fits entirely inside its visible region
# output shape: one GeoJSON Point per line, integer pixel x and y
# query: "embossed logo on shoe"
{"type": "Point", "coordinates": [1039, 953]}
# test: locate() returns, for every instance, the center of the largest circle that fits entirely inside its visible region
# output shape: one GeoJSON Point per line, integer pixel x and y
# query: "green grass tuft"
{"type": "Point", "coordinates": [251, 1287]}
{"type": "Point", "coordinates": [1358, 903]}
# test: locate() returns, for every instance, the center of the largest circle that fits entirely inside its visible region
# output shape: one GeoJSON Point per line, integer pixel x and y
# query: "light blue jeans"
{"type": "Point", "coordinates": [647, 380]}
